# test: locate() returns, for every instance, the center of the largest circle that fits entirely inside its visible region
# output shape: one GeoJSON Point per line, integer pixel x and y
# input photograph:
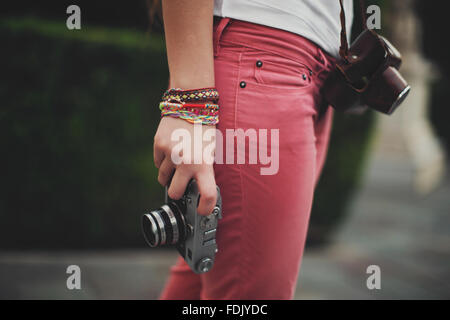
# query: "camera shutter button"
{"type": "Point", "coordinates": [216, 211]}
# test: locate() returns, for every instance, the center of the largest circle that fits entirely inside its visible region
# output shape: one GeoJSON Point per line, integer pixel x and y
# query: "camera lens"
{"type": "Point", "coordinates": [164, 226]}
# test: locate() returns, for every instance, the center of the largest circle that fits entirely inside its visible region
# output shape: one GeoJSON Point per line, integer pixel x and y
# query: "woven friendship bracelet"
{"type": "Point", "coordinates": [195, 115]}
{"type": "Point", "coordinates": [177, 103]}
{"type": "Point", "coordinates": [188, 105]}
{"type": "Point", "coordinates": [192, 111]}
{"type": "Point", "coordinates": [180, 95]}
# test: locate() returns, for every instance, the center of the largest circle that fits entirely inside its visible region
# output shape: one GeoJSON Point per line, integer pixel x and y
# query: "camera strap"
{"type": "Point", "coordinates": [343, 50]}
{"type": "Point", "coordinates": [367, 71]}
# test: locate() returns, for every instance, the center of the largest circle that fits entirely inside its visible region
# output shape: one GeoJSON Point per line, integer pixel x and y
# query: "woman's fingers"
{"type": "Point", "coordinates": [208, 193]}
{"type": "Point", "coordinates": [180, 179]}
{"type": "Point", "coordinates": [179, 183]}
{"type": "Point", "coordinates": [165, 171]}
{"type": "Point", "coordinates": [203, 173]}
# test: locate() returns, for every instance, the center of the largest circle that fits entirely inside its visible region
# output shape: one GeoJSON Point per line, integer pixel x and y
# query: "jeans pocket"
{"type": "Point", "coordinates": [274, 71]}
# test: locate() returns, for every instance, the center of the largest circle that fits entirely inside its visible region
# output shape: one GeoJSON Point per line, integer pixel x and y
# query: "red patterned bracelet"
{"type": "Point", "coordinates": [191, 115]}
{"type": "Point", "coordinates": [177, 103]}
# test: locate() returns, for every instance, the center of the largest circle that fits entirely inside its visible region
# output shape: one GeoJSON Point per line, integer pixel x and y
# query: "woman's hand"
{"type": "Point", "coordinates": [188, 29]}
{"type": "Point", "coordinates": [187, 169]}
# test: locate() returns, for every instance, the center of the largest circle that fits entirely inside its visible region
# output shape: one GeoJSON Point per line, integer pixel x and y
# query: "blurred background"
{"type": "Point", "coordinates": [77, 118]}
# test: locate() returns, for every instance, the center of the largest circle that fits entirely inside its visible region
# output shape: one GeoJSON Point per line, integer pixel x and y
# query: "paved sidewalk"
{"type": "Point", "coordinates": [406, 235]}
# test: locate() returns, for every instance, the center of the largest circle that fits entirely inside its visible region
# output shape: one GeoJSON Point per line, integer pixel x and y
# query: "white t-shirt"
{"type": "Point", "coordinates": [316, 20]}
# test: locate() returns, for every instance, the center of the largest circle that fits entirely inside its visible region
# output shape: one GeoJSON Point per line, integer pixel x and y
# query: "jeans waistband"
{"type": "Point", "coordinates": [278, 41]}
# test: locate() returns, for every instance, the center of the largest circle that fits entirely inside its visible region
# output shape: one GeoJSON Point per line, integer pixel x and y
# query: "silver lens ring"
{"type": "Point", "coordinates": [181, 216]}
{"type": "Point", "coordinates": [161, 226]}
{"type": "Point", "coordinates": [154, 231]}
{"type": "Point", "coordinates": [173, 221]}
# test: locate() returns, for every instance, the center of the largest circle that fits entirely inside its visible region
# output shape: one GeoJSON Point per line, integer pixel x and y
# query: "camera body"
{"type": "Point", "coordinates": [367, 76]}
{"type": "Point", "coordinates": [178, 223]}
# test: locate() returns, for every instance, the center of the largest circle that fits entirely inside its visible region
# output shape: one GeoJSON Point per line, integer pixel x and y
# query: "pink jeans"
{"type": "Point", "coordinates": [267, 79]}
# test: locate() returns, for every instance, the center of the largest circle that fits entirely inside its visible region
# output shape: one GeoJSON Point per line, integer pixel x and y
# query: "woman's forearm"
{"type": "Point", "coordinates": [188, 33]}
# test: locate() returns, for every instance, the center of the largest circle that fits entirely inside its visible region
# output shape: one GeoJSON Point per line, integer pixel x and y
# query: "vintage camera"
{"type": "Point", "coordinates": [367, 76]}
{"type": "Point", "coordinates": [178, 223]}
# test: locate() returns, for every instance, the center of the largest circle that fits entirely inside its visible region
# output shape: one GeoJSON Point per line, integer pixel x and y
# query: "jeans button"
{"type": "Point", "coordinates": [242, 84]}
{"type": "Point", "coordinates": [259, 63]}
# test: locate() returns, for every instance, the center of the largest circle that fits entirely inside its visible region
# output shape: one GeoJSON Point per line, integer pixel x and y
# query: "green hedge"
{"type": "Point", "coordinates": [77, 120]}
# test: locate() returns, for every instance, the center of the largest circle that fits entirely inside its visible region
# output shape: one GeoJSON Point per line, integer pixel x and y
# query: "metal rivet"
{"type": "Point", "coordinates": [310, 72]}
{"type": "Point", "coordinates": [304, 76]}
{"type": "Point", "coordinates": [242, 84]}
{"type": "Point", "coordinates": [259, 63]}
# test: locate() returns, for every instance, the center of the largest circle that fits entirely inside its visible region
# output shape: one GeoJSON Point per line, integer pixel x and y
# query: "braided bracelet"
{"type": "Point", "coordinates": [176, 103]}
{"type": "Point", "coordinates": [192, 115]}
{"type": "Point", "coordinates": [188, 105]}
{"type": "Point", "coordinates": [180, 95]}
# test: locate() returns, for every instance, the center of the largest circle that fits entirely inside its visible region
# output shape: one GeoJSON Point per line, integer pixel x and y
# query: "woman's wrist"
{"type": "Point", "coordinates": [199, 105]}
{"type": "Point", "coordinates": [192, 81]}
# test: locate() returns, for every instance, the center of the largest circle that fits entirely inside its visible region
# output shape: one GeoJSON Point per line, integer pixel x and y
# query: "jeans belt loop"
{"type": "Point", "coordinates": [218, 34]}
